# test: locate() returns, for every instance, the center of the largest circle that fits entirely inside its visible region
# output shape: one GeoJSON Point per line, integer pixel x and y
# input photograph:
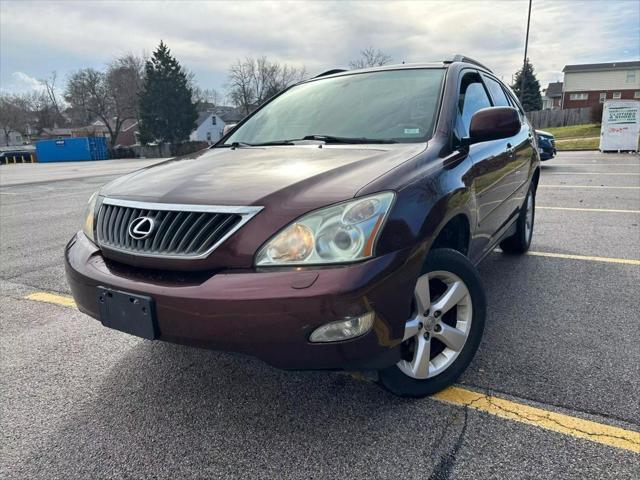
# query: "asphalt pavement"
{"type": "Point", "coordinates": [81, 401]}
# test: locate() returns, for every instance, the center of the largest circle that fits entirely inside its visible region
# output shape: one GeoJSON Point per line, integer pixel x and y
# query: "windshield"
{"type": "Point", "coordinates": [392, 105]}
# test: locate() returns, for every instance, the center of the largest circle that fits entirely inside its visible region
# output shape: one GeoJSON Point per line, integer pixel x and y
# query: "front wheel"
{"type": "Point", "coordinates": [445, 330]}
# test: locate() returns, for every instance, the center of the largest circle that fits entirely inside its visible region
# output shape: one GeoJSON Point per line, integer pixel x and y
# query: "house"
{"type": "Point", "coordinates": [10, 138]}
{"type": "Point", "coordinates": [552, 96]}
{"type": "Point", "coordinates": [210, 123]}
{"type": "Point", "coordinates": [590, 84]}
{"type": "Point", "coordinates": [128, 133]}
{"type": "Point", "coordinates": [55, 133]}
{"type": "Point", "coordinates": [127, 136]}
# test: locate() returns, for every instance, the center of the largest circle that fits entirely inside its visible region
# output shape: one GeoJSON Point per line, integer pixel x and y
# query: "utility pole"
{"type": "Point", "coordinates": [524, 63]}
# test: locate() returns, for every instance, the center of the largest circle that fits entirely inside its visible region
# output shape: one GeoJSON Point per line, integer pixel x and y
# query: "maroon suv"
{"type": "Point", "coordinates": [337, 227]}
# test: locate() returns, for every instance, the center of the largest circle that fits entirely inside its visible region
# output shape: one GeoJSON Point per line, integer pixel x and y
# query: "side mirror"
{"type": "Point", "coordinates": [493, 123]}
{"type": "Point", "coordinates": [228, 128]}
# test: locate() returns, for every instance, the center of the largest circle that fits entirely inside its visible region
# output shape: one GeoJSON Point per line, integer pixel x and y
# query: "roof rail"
{"type": "Point", "coordinates": [331, 72]}
{"type": "Point", "coordinates": [462, 58]}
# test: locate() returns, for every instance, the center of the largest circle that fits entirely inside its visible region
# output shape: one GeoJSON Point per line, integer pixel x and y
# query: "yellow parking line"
{"type": "Point", "coordinates": [603, 210]}
{"type": "Point", "coordinates": [624, 261]}
{"type": "Point", "coordinates": [593, 173]}
{"type": "Point", "coordinates": [598, 164]}
{"type": "Point", "coordinates": [584, 186]}
{"type": "Point", "coordinates": [548, 420]}
{"type": "Point", "coordinates": [63, 300]}
{"type": "Point", "coordinates": [557, 422]}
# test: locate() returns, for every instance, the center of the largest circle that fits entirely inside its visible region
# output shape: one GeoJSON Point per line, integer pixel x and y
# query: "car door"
{"type": "Point", "coordinates": [525, 145]}
{"type": "Point", "coordinates": [492, 162]}
{"type": "Point", "coordinates": [519, 148]}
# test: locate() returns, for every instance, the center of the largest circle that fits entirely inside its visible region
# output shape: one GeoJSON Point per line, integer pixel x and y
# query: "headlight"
{"type": "Point", "coordinates": [341, 233]}
{"type": "Point", "coordinates": [89, 215]}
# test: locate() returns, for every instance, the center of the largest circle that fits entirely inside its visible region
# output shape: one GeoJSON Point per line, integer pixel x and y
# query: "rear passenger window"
{"type": "Point", "coordinates": [473, 97]}
{"type": "Point", "coordinates": [499, 98]}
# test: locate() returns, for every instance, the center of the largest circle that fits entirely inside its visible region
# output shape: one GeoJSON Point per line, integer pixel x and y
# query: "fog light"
{"type": "Point", "coordinates": [343, 329]}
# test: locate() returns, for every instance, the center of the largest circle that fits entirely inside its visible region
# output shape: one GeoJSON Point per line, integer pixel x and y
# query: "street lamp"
{"type": "Point", "coordinates": [524, 62]}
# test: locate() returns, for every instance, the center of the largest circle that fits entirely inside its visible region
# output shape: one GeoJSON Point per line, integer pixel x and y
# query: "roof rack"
{"type": "Point", "coordinates": [462, 58]}
{"type": "Point", "coordinates": [331, 72]}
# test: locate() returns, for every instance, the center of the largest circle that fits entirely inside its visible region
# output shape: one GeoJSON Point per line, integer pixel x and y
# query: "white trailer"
{"type": "Point", "coordinates": [620, 128]}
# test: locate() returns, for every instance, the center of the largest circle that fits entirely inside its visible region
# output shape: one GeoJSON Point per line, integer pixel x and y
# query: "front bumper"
{"type": "Point", "coordinates": [268, 314]}
{"type": "Point", "coordinates": [547, 149]}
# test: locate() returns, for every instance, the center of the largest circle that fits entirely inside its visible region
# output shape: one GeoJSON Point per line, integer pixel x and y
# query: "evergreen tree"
{"type": "Point", "coordinates": [532, 100]}
{"type": "Point", "coordinates": [167, 112]}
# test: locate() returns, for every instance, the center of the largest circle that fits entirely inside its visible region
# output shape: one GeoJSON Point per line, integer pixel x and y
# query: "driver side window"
{"type": "Point", "coordinates": [473, 97]}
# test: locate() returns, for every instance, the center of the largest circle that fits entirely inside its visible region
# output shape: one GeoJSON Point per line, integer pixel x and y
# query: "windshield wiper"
{"type": "Point", "coordinates": [264, 144]}
{"type": "Point", "coordinates": [354, 140]}
{"type": "Point", "coordinates": [322, 138]}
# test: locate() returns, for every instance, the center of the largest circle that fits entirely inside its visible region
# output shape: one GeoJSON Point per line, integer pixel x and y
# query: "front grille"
{"type": "Point", "coordinates": [189, 231]}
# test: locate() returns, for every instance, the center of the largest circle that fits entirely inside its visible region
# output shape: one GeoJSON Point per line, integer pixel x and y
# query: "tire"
{"type": "Point", "coordinates": [465, 298]}
{"type": "Point", "coordinates": [520, 241]}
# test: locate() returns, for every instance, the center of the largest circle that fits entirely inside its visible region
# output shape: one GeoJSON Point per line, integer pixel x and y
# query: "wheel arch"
{"type": "Point", "coordinates": [536, 178]}
{"type": "Point", "coordinates": [455, 233]}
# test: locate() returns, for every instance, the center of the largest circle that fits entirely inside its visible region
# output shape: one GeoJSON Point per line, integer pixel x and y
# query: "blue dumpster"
{"type": "Point", "coordinates": [72, 149]}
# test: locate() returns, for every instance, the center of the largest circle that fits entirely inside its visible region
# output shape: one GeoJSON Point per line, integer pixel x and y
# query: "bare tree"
{"type": "Point", "coordinates": [254, 80]}
{"type": "Point", "coordinates": [128, 73]}
{"type": "Point", "coordinates": [370, 57]}
{"type": "Point", "coordinates": [241, 90]}
{"type": "Point", "coordinates": [14, 115]}
{"type": "Point", "coordinates": [43, 112]}
{"type": "Point", "coordinates": [111, 96]}
{"type": "Point", "coordinates": [50, 95]}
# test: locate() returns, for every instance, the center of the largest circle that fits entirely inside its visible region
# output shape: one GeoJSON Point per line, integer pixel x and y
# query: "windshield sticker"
{"type": "Point", "coordinates": [412, 131]}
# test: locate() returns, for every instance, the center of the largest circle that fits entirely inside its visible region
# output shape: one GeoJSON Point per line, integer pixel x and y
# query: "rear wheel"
{"type": "Point", "coordinates": [520, 241]}
{"type": "Point", "coordinates": [445, 330]}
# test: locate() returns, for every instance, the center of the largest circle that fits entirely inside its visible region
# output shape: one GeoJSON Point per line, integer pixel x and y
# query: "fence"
{"type": "Point", "coordinates": [164, 150]}
{"type": "Point", "coordinates": [560, 118]}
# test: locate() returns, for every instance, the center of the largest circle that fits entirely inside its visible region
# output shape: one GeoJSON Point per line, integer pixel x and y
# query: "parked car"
{"type": "Point", "coordinates": [121, 151]}
{"type": "Point", "coordinates": [337, 227]}
{"type": "Point", "coordinates": [546, 145]}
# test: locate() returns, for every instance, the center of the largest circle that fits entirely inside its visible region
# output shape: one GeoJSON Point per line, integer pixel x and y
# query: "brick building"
{"type": "Point", "coordinates": [590, 84]}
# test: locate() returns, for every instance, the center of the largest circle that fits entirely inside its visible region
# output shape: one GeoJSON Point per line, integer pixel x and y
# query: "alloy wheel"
{"type": "Point", "coordinates": [438, 331]}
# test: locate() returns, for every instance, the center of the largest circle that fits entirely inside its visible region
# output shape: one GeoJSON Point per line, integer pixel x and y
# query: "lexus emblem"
{"type": "Point", "coordinates": [141, 228]}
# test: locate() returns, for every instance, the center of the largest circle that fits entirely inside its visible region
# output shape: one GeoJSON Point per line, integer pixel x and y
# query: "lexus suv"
{"type": "Point", "coordinates": [337, 227]}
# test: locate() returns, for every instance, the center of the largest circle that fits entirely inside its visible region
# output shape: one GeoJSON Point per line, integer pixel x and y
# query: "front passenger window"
{"type": "Point", "coordinates": [473, 97]}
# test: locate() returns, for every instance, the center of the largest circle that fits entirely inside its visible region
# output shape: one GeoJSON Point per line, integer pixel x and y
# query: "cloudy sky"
{"type": "Point", "coordinates": [37, 38]}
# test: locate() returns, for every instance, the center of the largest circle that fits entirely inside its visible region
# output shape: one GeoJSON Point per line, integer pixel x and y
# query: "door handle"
{"type": "Point", "coordinates": [510, 150]}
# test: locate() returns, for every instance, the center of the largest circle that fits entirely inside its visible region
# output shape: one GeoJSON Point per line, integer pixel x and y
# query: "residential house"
{"type": "Point", "coordinates": [55, 133]}
{"type": "Point", "coordinates": [128, 133]}
{"type": "Point", "coordinates": [10, 138]}
{"type": "Point", "coordinates": [210, 124]}
{"type": "Point", "coordinates": [552, 96]}
{"type": "Point", "coordinates": [589, 84]}
{"type": "Point", "coordinates": [127, 136]}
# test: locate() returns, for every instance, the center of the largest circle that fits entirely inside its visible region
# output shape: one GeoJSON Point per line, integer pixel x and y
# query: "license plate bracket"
{"type": "Point", "coordinates": [127, 312]}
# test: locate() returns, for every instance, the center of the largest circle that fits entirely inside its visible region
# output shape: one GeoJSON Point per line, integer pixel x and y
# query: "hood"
{"type": "Point", "coordinates": [312, 175]}
{"type": "Point", "coordinates": [542, 132]}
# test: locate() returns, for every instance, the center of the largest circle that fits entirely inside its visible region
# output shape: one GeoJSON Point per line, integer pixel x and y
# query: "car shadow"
{"type": "Point", "coordinates": [174, 411]}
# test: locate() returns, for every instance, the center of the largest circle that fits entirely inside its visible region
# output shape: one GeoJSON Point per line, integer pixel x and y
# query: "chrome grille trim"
{"type": "Point", "coordinates": [183, 231]}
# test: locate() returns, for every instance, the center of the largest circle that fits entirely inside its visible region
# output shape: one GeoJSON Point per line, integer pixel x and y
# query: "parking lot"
{"type": "Point", "coordinates": [552, 393]}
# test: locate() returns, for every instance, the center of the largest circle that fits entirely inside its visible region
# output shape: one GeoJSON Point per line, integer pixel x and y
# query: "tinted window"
{"type": "Point", "coordinates": [397, 104]}
{"type": "Point", "coordinates": [499, 98]}
{"type": "Point", "coordinates": [473, 97]}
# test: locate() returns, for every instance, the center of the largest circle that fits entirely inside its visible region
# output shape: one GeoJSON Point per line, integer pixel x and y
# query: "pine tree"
{"type": "Point", "coordinates": [167, 112]}
{"type": "Point", "coordinates": [532, 99]}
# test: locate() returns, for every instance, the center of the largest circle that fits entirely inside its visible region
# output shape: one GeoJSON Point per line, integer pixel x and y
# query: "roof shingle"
{"type": "Point", "coordinates": [591, 67]}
